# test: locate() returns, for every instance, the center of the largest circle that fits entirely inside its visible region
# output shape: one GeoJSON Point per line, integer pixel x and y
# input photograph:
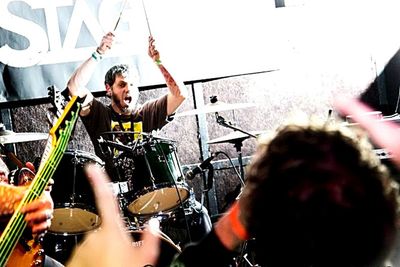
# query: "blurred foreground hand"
{"type": "Point", "coordinates": [111, 245]}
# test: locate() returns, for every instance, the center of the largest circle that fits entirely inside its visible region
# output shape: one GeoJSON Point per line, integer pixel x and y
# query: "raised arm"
{"type": "Point", "coordinates": [382, 133]}
{"type": "Point", "coordinates": [81, 76]}
{"type": "Point", "coordinates": [112, 245]}
{"type": "Point", "coordinates": [177, 91]}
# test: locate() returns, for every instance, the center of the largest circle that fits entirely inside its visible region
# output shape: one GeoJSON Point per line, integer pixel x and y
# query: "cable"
{"type": "Point", "coordinates": [233, 165]}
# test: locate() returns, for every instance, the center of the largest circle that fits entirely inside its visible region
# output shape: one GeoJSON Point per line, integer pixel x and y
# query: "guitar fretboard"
{"type": "Point", "coordinates": [17, 224]}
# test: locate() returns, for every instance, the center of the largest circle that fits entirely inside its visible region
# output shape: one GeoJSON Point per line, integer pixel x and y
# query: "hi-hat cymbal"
{"type": "Point", "coordinates": [10, 137]}
{"type": "Point", "coordinates": [215, 107]}
{"type": "Point", "coordinates": [234, 137]}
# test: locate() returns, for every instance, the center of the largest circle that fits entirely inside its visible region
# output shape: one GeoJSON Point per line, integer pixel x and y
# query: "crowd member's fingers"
{"type": "Point", "coordinates": [120, 250]}
{"type": "Point", "coordinates": [105, 201]}
{"type": "Point", "coordinates": [151, 242]}
{"type": "Point", "coordinates": [381, 133]}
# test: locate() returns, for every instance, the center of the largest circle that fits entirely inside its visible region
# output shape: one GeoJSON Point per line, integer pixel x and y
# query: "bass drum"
{"type": "Point", "coordinates": [74, 203]}
{"type": "Point", "coordinates": [60, 247]}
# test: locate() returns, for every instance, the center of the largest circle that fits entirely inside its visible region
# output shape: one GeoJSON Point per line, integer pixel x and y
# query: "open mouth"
{"type": "Point", "coordinates": [128, 99]}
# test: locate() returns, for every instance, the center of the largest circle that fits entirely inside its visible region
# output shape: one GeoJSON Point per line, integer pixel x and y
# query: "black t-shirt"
{"type": "Point", "coordinates": [209, 251]}
{"type": "Point", "coordinates": [102, 118]}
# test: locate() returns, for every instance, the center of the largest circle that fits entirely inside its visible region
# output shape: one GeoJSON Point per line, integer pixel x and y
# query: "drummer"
{"type": "Point", "coordinates": [123, 114]}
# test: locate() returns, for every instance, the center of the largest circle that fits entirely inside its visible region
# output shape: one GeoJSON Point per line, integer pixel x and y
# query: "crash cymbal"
{"type": "Point", "coordinates": [234, 137]}
{"type": "Point", "coordinates": [215, 107]}
{"type": "Point", "coordinates": [10, 137]}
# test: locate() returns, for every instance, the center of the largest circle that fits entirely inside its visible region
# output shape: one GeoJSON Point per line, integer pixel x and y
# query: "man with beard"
{"type": "Point", "coordinates": [121, 87]}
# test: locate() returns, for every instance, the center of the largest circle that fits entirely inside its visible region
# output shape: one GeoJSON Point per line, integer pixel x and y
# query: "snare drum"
{"type": "Point", "coordinates": [150, 178]}
{"type": "Point", "coordinates": [74, 203]}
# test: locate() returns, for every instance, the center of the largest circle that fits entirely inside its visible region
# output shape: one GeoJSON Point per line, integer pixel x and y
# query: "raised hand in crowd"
{"type": "Point", "coordinates": [381, 133]}
{"type": "Point", "coordinates": [111, 245]}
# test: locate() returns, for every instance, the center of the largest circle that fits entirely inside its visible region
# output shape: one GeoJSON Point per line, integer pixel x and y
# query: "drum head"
{"type": "Point", "coordinates": [74, 203]}
{"type": "Point", "coordinates": [73, 220]}
{"type": "Point", "coordinates": [159, 200]}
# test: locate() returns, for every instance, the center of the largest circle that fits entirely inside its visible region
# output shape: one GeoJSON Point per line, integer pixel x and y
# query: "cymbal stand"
{"type": "Point", "coordinates": [238, 143]}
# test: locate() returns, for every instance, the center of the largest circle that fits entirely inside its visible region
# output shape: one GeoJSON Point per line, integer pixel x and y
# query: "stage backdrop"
{"type": "Point", "coordinates": [42, 42]}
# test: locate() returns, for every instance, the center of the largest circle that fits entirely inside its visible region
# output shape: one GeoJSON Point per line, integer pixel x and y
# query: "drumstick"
{"type": "Point", "coordinates": [147, 19]}
{"type": "Point", "coordinates": [120, 14]}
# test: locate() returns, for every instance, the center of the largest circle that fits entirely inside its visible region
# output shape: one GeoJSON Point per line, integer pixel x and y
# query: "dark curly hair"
{"type": "Point", "coordinates": [121, 69]}
{"type": "Point", "coordinates": [317, 195]}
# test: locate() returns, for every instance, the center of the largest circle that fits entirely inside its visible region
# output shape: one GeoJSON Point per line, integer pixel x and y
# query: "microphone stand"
{"type": "Point", "coordinates": [238, 143]}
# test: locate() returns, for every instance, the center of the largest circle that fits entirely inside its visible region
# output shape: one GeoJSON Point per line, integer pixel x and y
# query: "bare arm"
{"type": "Point", "coordinates": [382, 133]}
{"type": "Point", "coordinates": [81, 76]}
{"type": "Point", "coordinates": [177, 91]}
{"type": "Point", "coordinates": [9, 198]}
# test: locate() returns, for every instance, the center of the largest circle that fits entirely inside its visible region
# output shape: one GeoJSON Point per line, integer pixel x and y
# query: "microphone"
{"type": "Point", "coordinates": [192, 173]}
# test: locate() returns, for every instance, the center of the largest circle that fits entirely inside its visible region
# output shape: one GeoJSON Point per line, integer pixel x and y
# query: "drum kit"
{"type": "Point", "coordinates": [146, 178]}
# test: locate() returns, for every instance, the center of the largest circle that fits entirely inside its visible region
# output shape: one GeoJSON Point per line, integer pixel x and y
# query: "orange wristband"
{"type": "Point", "coordinates": [237, 227]}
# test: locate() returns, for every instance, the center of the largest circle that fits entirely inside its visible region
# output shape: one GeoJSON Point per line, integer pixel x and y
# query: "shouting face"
{"type": "Point", "coordinates": [123, 93]}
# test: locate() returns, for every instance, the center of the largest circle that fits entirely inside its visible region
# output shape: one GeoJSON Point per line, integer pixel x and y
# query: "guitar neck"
{"type": "Point", "coordinates": [17, 224]}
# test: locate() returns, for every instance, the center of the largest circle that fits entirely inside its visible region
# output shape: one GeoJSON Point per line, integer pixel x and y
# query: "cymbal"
{"type": "Point", "coordinates": [215, 107]}
{"type": "Point", "coordinates": [234, 137]}
{"type": "Point", "coordinates": [10, 137]}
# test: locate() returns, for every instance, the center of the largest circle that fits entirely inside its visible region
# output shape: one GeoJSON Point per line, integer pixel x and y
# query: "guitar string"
{"type": "Point", "coordinates": [19, 225]}
{"type": "Point", "coordinates": [41, 183]}
{"type": "Point", "coordinates": [32, 194]}
{"type": "Point", "coordinates": [16, 222]}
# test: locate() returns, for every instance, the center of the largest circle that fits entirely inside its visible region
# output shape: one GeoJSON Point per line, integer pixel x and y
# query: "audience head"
{"type": "Point", "coordinates": [317, 195]}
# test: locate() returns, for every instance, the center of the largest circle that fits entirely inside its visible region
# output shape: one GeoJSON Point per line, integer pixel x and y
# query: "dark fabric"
{"type": "Point", "coordinates": [207, 252]}
{"type": "Point", "coordinates": [152, 116]}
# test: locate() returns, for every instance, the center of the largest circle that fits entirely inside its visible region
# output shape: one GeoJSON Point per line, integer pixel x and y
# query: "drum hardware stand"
{"type": "Point", "coordinates": [75, 162]}
{"type": "Point", "coordinates": [242, 259]}
{"type": "Point", "coordinates": [238, 143]}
